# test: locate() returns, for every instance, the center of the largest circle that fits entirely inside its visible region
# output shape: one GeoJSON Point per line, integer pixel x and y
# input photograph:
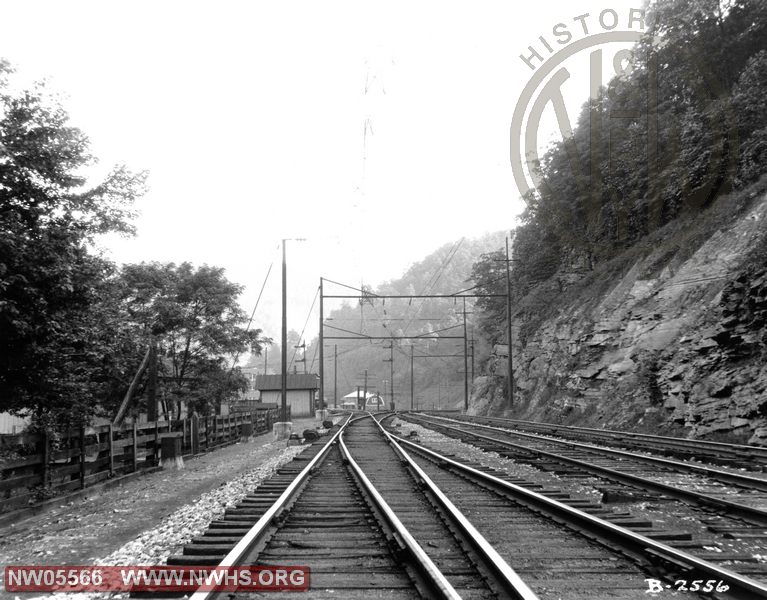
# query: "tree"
{"type": "Point", "coordinates": [57, 319]}
{"type": "Point", "coordinates": [194, 316]}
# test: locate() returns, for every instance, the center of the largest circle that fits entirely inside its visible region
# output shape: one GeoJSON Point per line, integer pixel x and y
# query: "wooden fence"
{"type": "Point", "coordinates": [89, 455]}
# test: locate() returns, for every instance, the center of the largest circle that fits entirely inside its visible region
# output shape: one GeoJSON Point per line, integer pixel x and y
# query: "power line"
{"type": "Point", "coordinates": [450, 255]}
{"type": "Point", "coordinates": [253, 313]}
{"type": "Point", "coordinates": [301, 337]}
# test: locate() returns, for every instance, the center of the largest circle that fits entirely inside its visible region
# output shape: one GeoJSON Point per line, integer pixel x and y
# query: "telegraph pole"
{"type": "Point", "coordinates": [390, 360]}
{"type": "Point", "coordinates": [465, 363]}
{"type": "Point", "coordinates": [472, 357]}
{"type": "Point", "coordinates": [322, 355]}
{"type": "Point", "coordinates": [284, 374]}
{"type": "Point", "coordinates": [391, 365]}
{"type": "Point", "coordinates": [283, 428]}
{"type": "Point", "coordinates": [335, 375]}
{"type": "Point", "coordinates": [411, 376]}
{"type": "Point", "coordinates": [508, 321]}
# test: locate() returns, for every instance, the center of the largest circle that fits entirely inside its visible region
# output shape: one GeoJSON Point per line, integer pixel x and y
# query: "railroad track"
{"type": "Point", "coordinates": [734, 532]}
{"type": "Point", "coordinates": [376, 516]}
{"type": "Point", "coordinates": [695, 484]}
{"type": "Point", "coordinates": [357, 540]}
{"type": "Point", "coordinates": [741, 456]}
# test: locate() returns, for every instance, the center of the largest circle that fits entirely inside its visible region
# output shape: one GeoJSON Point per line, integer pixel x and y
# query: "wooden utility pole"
{"type": "Point", "coordinates": [411, 377]}
{"type": "Point", "coordinates": [472, 358]}
{"type": "Point", "coordinates": [335, 375]}
{"type": "Point", "coordinates": [322, 354]}
{"type": "Point", "coordinates": [391, 372]}
{"type": "Point", "coordinates": [465, 362]}
{"type": "Point", "coordinates": [284, 369]}
{"type": "Point", "coordinates": [510, 364]}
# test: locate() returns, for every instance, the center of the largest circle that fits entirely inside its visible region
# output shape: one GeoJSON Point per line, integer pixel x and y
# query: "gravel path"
{"type": "Point", "coordinates": [149, 518]}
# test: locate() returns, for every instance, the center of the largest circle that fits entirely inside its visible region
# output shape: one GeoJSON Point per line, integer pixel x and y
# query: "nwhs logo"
{"type": "Point", "coordinates": [155, 579]}
{"type": "Point", "coordinates": [605, 44]}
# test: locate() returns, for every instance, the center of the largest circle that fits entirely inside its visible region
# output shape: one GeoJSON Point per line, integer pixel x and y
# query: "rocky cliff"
{"type": "Point", "coordinates": [676, 339]}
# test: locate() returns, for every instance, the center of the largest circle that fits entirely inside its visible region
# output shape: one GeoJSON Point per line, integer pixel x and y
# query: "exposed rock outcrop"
{"type": "Point", "coordinates": [680, 347]}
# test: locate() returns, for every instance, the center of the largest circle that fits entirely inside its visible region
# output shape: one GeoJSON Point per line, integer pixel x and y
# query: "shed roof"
{"type": "Point", "coordinates": [296, 381]}
{"type": "Point", "coordinates": [361, 395]}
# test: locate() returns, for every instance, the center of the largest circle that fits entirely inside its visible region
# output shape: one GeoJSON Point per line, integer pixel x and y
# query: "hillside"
{"type": "Point", "coordinates": [639, 268]}
{"type": "Point", "coordinates": [437, 381]}
{"type": "Point", "coordinates": [655, 339]}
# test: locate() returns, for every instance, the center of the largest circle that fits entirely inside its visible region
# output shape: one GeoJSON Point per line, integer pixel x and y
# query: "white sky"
{"type": "Point", "coordinates": [250, 117]}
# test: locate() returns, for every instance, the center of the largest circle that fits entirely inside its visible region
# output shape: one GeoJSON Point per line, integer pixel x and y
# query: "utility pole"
{"type": "Point", "coordinates": [284, 349]}
{"type": "Point", "coordinates": [508, 321]}
{"type": "Point", "coordinates": [365, 391]}
{"type": "Point", "coordinates": [322, 354]}
{"type": "Point", "coordinates": [391, 367]}
{"type": "Point", "coordinates": [465, 363]}
{"type": "Point", "coordinates": [390, 360]}
{"type": "Point", "coordinates": [284, 429]}
{"type": "Point", "coordinates": [472, 357]}
{"type": "Point", "coordinates": [266, 356]}
{"type": "Point", "coordinates": [411, 376]}
{"type": "Point", "coordinates": [335, 375]}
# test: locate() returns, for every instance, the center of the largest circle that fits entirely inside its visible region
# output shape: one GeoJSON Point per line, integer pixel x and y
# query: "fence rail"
{"type": "Point", "coordinates": [89, 455]}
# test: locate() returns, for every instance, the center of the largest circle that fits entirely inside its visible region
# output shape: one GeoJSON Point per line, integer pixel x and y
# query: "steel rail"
{"type": "Point", "coordinates": [736, 478]}
{"type": "Point", "coordinates": [749, 588]}
{"type": "Point", "coordinates": [259, 528]}
{"type": "Point", "coordinates": [423, 561]}
{"type": "Point", "coordinates": [734, 509]}
{"type": "Point", "coordinates": [511, 581]}
{"type": "Point", "coordinates": [660, 441]}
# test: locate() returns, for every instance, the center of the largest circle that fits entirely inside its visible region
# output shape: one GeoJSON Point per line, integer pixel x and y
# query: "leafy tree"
{"type": "Point", "coordinates": [198, 324]}
{"type": "Point", "coordinates": [58, 325]}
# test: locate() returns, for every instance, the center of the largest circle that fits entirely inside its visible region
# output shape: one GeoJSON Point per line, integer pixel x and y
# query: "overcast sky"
{"type": "Point", "coordinates": [254, 121]}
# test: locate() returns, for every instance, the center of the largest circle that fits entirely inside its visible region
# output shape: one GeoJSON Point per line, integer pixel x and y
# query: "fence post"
{"type": "Point", "coordinates": [46, 455]}
{"type": "Point", "coordinates": [135, 446]}
{"type": "Point", "coordinates": [183, 435]}
{"type": "Point", "coordinates": [110, 432]}
{"type": "Point", "coordinates": [82, 458]}
{"type": "Point", "coordinates": [156, 457]}
{"type": "Point", "coordinates": [195, 434]}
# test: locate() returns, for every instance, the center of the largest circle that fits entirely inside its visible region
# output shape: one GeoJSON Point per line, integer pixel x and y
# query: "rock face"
{"type": "Point", "coordinates": [684, 348]}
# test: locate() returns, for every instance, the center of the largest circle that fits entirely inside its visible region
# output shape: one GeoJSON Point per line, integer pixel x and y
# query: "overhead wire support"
{"type": "Point", "coordinates": [301, 337]}
{"type": "Point", "coordinates": [369, 296]}
{"type": "Point", "coordinates": [397, 337]}
{"type": "Point", "coordinates": [411, 296]}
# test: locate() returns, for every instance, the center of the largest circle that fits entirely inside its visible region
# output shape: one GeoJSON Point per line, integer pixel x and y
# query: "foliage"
{"type": "Point", "coordinates": [435, 380]}
{"type": "Point", "coordinates": [57, 318]}
{"type": "Point", "coordinates": [198, 324]}
{"type": "Point", "coordinates": [684, 124]}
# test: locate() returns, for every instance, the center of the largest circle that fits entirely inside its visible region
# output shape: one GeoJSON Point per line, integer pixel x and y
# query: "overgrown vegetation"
{"type": "Point", "coordinates": [73, 326]}
{"type": "Point", "coordinates": [700, 74]}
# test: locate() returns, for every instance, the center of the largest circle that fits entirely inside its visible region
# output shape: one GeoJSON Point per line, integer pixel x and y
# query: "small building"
{"type": "Point", "coordinates": [302, 391]}
{"type": "Point", "coordinates": [357, 400]}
